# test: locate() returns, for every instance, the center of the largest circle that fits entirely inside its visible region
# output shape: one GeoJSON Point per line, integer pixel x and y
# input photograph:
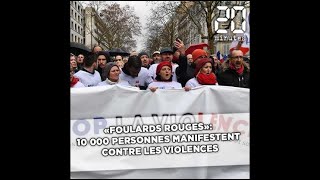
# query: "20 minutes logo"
{"type": "Point", "coordinates": [227, 10]}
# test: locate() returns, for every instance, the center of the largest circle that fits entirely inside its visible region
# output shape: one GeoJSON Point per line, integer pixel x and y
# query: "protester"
{"type": "Point", "coordinates": [88, 76]}
{"type": "Point", "coordinates": [203, 74]}
{"type": "Point", "coordinates": [166, 55]}
{"type": "Point", "coordinates": [96, 48]}
{"type": "Point", "coordinates": [103, 58]}
{"type": "Point", "coordinates": [80, 61]}
{"type": "Point", "coordinates": [74, 82]}
{"type": "Point", "coordinates": [163, 79]}
{"type": "Point", "coordinates": [198, 54]}
{"type": "Point", "coordinates": [190, 59]}
{"type": "Point", "coordinates": [156, 57]}
{"type": "Point", "coordinates": [235, 72]}
{"type": "Point", "coordinates": [119, 61]}
{"type": "Point", "coordinates": [135, 74]}
{"type": "Point", "coordinates": [111, 74]}
{"type": "Point", "coordinates": [144, 57]}
{"type": "Point", "coordinates": [216, 65]}
{"type": "Point", "coordinates": [185, 71]}
{"type": "Point", "coordinates": [73, 63]}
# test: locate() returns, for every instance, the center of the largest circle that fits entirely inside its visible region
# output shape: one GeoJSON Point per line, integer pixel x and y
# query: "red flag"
{"type": "Point", "coordinates": [244, 47]}
{"type": "Point", "coordinates": [193, 47]}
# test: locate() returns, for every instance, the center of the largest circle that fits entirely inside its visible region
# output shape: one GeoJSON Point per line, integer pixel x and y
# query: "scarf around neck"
{"type": "Point", "coordinates": [73, 81]}
{"type": "Point", "coordinates": [206, 79]}
{"type": "Point", "coordinates": [239, 71]}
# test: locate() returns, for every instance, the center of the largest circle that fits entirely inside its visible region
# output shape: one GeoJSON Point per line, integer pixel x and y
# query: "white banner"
{"type": "Point", "coordinates": [119, 128]}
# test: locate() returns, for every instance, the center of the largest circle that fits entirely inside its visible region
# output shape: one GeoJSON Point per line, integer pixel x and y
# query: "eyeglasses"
{"type": "Point", "coordinates": [237, 57]}
{"type": "Point", "coordinates": [102, 59]}
{"type": "Point", "coordinates": [117, 60]}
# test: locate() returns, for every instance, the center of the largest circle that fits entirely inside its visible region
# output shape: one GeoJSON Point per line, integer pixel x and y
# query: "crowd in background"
{"type": "Point", "coordinates": [168, 68]}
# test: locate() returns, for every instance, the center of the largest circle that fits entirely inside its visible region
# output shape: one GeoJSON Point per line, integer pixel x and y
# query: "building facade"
{"type": "Point", "coordinates": [187, 30]}
{"type": "Point", "coordinates": [76, 22]}
{"type": "Point", "coordinates": [93, 27]}
{"type": "Point", "coordinates": [90, 27]}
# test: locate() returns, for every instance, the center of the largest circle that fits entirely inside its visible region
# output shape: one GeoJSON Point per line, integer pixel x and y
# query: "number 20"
{"type": "Point", "coordinates": [225, 19]}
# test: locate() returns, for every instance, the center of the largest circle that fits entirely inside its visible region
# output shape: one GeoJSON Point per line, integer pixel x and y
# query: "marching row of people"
{"type": "Point", "coordinates": [168, 70]}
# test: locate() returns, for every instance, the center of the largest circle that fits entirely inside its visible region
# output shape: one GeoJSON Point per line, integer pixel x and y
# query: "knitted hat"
{"type": "Point", "coordinates": [107, 69]}
{"type": "Point", "coordinates": [197, 53]}
{"type": "Point", "coordinates": [200, 63]}
{"type": "Point", "coordinates": [163, 63]}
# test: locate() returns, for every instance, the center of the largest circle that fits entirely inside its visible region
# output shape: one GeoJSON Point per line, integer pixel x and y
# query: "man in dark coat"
{"type": "Point", "coordinates": [235, 71]}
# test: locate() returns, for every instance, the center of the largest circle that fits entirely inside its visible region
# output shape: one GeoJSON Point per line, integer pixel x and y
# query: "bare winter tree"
{"type": "Point", "coordinates": [118, 25]}
{"type": "Point", "coordinates": [95, 13]}
{"type": "Point", "coordinates": [122, 24]}
{"type": "Point", "coordinates": [208, 11]}
{"type": "Point", "coordinates": [169, 32]}
{"type": "Point", "coordinates": [153, 40]}
{"type": "Point", "coordinates": [197, 12]}
{"type": "Point", "coordinates": [162, 26]}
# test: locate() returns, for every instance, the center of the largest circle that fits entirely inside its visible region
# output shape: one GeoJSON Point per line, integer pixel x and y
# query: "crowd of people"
{"type": "Point", "coordinates": [169, 68]}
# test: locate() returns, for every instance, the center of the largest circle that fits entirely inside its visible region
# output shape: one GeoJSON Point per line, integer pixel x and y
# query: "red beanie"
{"type": "Point", "coordinates": [200, 63]}
{"type": "Point", "coordinates": [197, 53]}
{"type": "Point", "coordinates": [163, 63]}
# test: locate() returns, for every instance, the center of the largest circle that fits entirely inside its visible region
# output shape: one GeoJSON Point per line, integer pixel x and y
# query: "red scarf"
{"type": "Point", "coordinates": [206, 79]}
{"type": "Point", "coordinates": [239, 71]}
{"type": "Point", "coordinates": [73, 81]}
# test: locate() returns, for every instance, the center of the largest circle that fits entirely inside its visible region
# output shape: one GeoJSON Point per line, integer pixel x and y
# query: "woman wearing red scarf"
{"type": "Point", "coordinates": [203, 74]}
{"type": "Point", "coordinates": [74, 82]}
{"type": "Point", "coordinates": [235, 71]}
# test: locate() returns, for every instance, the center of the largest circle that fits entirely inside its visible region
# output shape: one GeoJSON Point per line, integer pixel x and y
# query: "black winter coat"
{"type": "Point", "coordinates": [229, 77]}
{"type": "Point", "coordinates": [184, 71]}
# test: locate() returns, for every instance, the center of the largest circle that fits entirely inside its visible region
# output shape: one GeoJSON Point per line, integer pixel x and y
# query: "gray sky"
{"type": "Point", "coordinates": [142, 10]}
